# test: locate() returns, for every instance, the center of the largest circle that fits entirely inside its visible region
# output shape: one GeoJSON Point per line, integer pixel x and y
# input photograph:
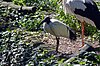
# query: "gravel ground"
{"type": "Point", "coordinates": [67, 46]}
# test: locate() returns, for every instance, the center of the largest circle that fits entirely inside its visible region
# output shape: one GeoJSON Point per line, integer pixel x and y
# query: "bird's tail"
{"type": "Point", "coordinates": [72, 34]}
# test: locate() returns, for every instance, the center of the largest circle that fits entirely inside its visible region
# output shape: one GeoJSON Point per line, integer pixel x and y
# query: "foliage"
{"type": "Point", "coordinates": [29, 21]}
{"type": "Point", "coordinates": [14, 48]}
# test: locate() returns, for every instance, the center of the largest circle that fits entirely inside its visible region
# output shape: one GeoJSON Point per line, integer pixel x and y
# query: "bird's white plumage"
{"type": "Point", "coordinates": [82, 19]}
{"type": "Point", "coordinates": [56, 28]}
{"type": "Point", "coordinates": [76, 4]}
{"type": "Point", "coordinates": [69, 6]}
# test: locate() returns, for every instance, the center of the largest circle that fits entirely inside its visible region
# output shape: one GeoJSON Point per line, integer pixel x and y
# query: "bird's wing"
{"type": "Point", "coordinates": [60, 29]}
{"type": "Point", "coordinates": [85, 10]}
{"type": "Point", "coordinates": [91, 12]}
{"type": "Point", "coordinates": [76, 4]}
{"type": "Point", "coordinates": [82, 7]}
{"type": "Point", "coordinates": [69, 6]}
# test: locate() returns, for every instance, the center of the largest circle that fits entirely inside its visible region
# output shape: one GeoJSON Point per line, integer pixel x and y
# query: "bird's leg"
{"type": "Point", "coordinates": [57, 44]}
{"type": "Point", "coordinates": [82, 33]}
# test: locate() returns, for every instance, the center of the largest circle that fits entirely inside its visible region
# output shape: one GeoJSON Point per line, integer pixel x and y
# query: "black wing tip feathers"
{"type": "Point", "coordinates": [72, 35]}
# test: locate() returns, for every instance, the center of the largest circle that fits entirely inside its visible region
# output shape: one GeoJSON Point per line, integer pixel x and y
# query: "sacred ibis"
{"type": "Point", "coordinates": [84, 10]}
{"type": "Point", "coordinates": [58, 29]}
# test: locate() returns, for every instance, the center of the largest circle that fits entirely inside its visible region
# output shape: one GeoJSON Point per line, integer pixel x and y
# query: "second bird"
{"type": "Point", "coordinates": [58, 29]}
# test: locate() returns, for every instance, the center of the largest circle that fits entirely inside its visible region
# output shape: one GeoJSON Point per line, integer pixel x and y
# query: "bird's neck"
{"type": "Point", "coordinates": [48, 22]}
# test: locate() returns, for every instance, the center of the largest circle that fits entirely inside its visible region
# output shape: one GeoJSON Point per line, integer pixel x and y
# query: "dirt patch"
{"type": "Point", "coordinates": [67, 46]}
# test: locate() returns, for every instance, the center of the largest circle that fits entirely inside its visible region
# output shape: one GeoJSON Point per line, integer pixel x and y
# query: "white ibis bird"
{"type": "Point", "coordinates": [84, 10]}
{"type": "Point", "coordinates": [58, 29]}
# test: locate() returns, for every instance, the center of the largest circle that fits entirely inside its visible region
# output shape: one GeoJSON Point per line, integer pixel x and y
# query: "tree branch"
{"type": "Point", "coordinates": [10, 4]}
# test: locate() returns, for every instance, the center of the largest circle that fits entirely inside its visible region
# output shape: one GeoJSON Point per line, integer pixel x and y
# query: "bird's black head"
{"type": "Point", "coordinates": [47, 20]}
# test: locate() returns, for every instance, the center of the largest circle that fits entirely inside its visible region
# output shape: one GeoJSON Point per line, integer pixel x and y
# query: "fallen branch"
{"type": "Point", "coordinates": [10, 4]}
